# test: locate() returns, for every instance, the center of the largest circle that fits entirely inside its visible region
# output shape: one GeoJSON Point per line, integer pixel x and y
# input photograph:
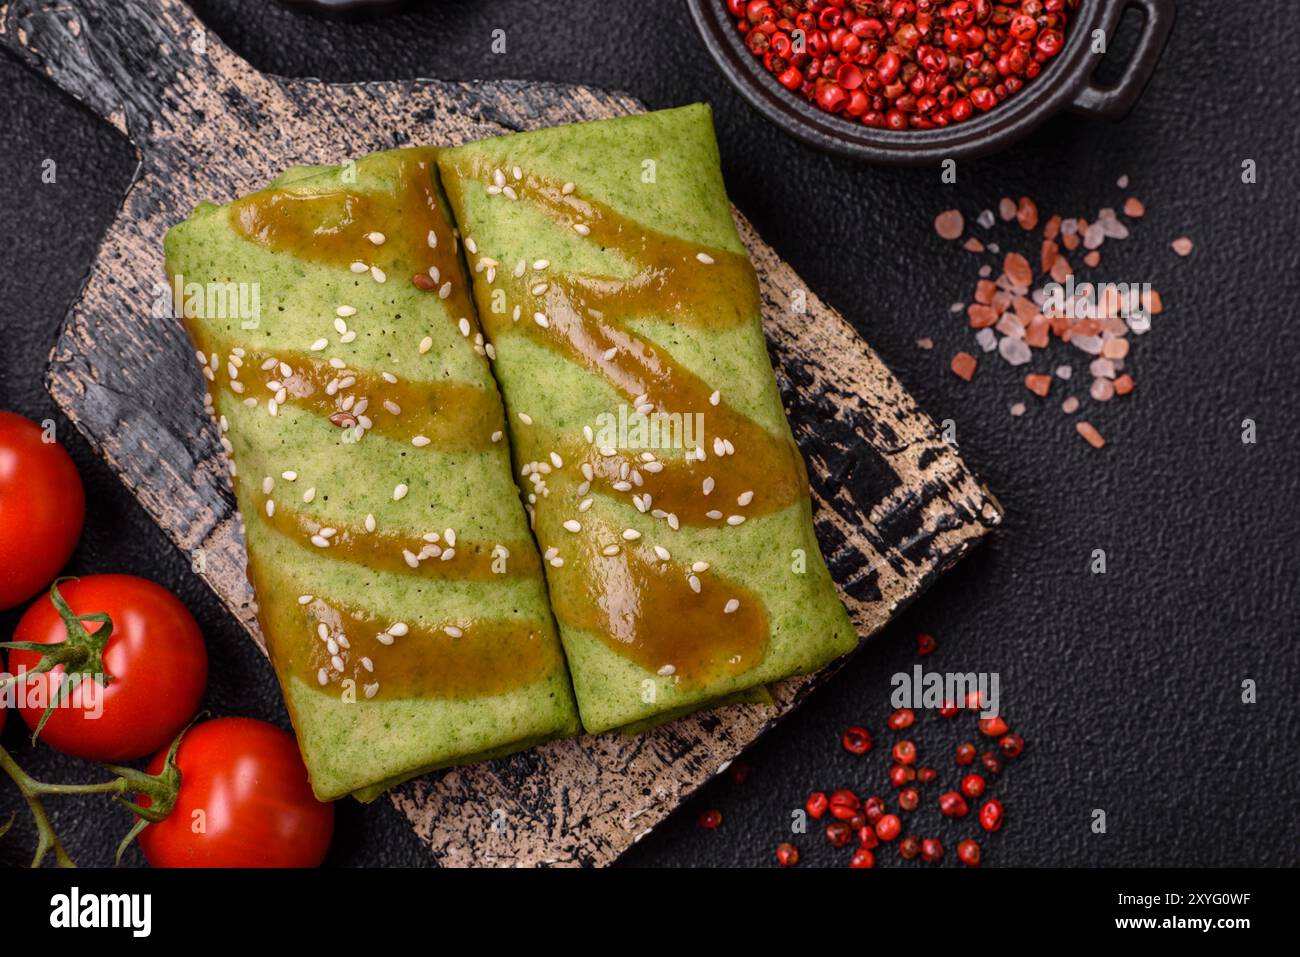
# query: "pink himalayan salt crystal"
{"type": "Point", "coordinates": [1103, 390]}
{"type": "Point", "coordinates": [1070, 406]}
{"type": "Point", "coordinates": [1018, 409]}
{"type": "Point", "coordinates": [1182, 245]}
{"type": "Point", "coordinates": [949, 224]}
{"type": "Point", "coordinates": [1064, 372]}
{"type": "Point", "coordinates": [1015, 351]}
{"type": "Point", "coordinates": [1089, 344]}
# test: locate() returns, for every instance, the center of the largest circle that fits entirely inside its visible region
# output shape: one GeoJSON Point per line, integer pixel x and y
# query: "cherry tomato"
{"type": "Point", "coordinates": [155, 656]}
{"type": "Point", "coordinates": [244, 801]}
{"type": "Point", "coordinates": [42, 506]}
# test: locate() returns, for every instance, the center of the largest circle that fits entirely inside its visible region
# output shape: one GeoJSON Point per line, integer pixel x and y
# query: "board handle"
{"type": "Point", "coordinates": [118, 57]}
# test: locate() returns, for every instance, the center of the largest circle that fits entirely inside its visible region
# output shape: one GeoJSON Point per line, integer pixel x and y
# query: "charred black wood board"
{"type": "Point", "coordinates": [894, 504]}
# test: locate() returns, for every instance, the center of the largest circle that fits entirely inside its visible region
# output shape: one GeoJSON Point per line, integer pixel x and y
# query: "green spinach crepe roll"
{"type": "Point", "coordinates": [398, 587]}
{"type": "Point", "coordinates": [666, 489]}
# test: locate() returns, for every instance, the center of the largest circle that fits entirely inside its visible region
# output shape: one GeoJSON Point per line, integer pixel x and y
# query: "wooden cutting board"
{"type": "Point", "coordinates": [894, 504]}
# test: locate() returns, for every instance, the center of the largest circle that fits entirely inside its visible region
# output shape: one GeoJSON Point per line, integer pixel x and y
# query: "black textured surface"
{"type": "Point", "coordinates": [1127, 685]}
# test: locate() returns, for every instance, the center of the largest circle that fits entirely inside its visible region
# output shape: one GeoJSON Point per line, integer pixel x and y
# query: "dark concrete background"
{"type": "Point", "coordinates": [1126, 685]}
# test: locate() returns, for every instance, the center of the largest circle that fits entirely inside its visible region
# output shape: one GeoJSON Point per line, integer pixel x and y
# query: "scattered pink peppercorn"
{"type": "Point", "coordinates": [844, 804]}
{"type": "Point", "coordinates": [787, 855]}
{"type": "Point", "coordinates": [952, 804]}
{"type": "Point", "coordinates": [991, 815]}
{"type": "Point", "coordinates": [709, 819]}
{"type": "Point", "coordinates": [888, 827]}
{"type": "Point", "coordinates": [925, 644]}
{"type": "Point", "coordinates": [972, 785]}
{"type": "Point", "coordinates": [1011, 746]}
{"type": "Point", "coordinates": [931, 850]}
{"type": "Point", "coordinates": [838, 833]}
{"type": "Point", "coordinates": [968, 852]}
{"type": "Point", "coordinates": [909, 799]}
{"type": "Point", "coordinates": [862, 857]}
{"type": "Point", "coordinates": [909, 847]}
{"type": "Point", "coordinates": [965, 753]}
{"type": "Point", "coordinates": [904, 752]}
{"type": "Point", "coordinates": [856, 740]}
{"type": "Point", "coordinates": [816, 804]}
{"type": "Point", "coordinates": [993, 727]}
{"type": "Point", "coordinates": [901, 719]}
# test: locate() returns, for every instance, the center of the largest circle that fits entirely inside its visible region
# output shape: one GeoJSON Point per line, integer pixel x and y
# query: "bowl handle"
{"type": "Point", "coordinates": [1114, 102]}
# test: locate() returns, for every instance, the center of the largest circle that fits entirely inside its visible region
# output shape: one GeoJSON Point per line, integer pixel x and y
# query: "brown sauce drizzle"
{"type": "Point", "coordinates": [641, 607]}
{"type": "Point", "coordinates": [332, 227]}
{"type": "Point", "coordinates": [644, 609]}
{"type": "Point", "coordinates": [454, 416]}
{"type": "Point", "coordinates": [491, 657]}
{"type": "Point", "coordinates": [382, 550]}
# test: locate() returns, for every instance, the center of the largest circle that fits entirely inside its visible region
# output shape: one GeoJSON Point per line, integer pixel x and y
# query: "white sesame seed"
{"type": "Point", "coordinates": [319, 344]}
{"type": "Point", "coordinates": [420, 441]}
{"type": "Point", "coordinates": [384, 638]}
{"type": "Point", "coordinates": [449, 554]}
{"type": "Point", "coordinates": [397, 629]}
{"type": "Point", "coordinates": [289, 475]}
{"type": "Point", "coordinates": [286, 370]}
{"type": "Point", "coordinates": [496, 436]}
{"type": "Point", "coordinates": [541, 320]}
{"type": "Point", "coordinates": [392, 407]}
{"type": "Point", "coordinates": [550, 553]}
{"type": "Point", "coordinates": [445, 290]}
{"type": "Point", "coordinates": [704, 258]}
{"type": "Point", "coordinates": [471, 245]}
{"type": "Point", "coordinates": [371, 689]}
{"type": "Point", "coordinates": [557, 562]}
{"type": "Point", "coordinates": [662, 553]}
{"type": "Point", "coordinates": [370, 522]}
{"type": "Point", "coordinates": [376, 237]}
{"type": "Point", "coordinates": [708, 485]}
{"type": "Point", "coordinates": [694, 583]}
{"type": "Point", "coordinates": [715, 398]}
{"type": "Point", "coordinates": [567, 188]}
{"type": "Point", "coordinates": [556, 460]}
{"type": "Point", "coordinates": [432, 239]}
{"type": "Point", "coordinates": [610, 550]}
{"type": "Point", "coordinates": [345, 311]}
{"type": "Point", "coordinates": [718, 448]}
{"type": "Point", "coordinates": [270, 507]}
{"type": "Point", "coordinates": [410, 558]}
{"type": "Point", "coordinates": [304, 599]}
{"type": "Point", "coordinates": [673, 523]}
{"type": "Point", "coordinates": [450, 535]}
{"type": "Point", "coordinates": [744, 498]}
{"type": "Point", "coordinates": [525, 418]}
{"type": "Point", "coordinates": [582, 229]}
{"type": "Point", "coordinates": [735, 519]}
{"type": "Point", "coordinates": [367, 663]}
{"type": "Point", "coordinates": [310, 494]}
{"type": "Point", "coordinates": [573, 525]}
{"type": "Point", "coordinates": [349, 336]}
{"type": "Point", "coordinates": [731, 605]}
{"type": "Point", "coordinates": [540, 288]}
{"type": "Point", "coordinates": [713, 513]}
{"type": "Point", "coordinates": [320, 541]}
{"type": "Point", "coordinates": [435, 274]}
{"type": "Point", "coordinates": [700, 566]}
{"type": "Point", "coordinates": [399, 491]}
{"type": "Point", "coordinates": [425, 344]}
{"type": "Point", "coordinates": [509, 192]}
{"type": "Point", "coordinates": [358, 267]}
{"type": "Point", "coordinates": [631, 534]}
{"type": "Point", "coordinates": [322, 676]}
{"type": "Point", "coordinates": [453, 632]}
{"type": "Point", "coordinates": [268, 483]}
{"type": "Point", "coordinates": [378, 274]}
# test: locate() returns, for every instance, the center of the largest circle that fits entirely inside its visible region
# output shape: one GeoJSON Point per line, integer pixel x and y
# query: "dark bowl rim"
{"type": "Point", "coordinates": [1053, 91]}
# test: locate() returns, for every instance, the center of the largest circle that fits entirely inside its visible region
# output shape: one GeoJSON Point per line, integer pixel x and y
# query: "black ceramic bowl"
{"type": "Point", "coordinates": [1065, 84]}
